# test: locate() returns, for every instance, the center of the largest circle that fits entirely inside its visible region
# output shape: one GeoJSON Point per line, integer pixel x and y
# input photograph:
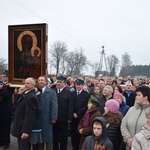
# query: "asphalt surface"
{"type": "Point", "coordinates": [13, 144]}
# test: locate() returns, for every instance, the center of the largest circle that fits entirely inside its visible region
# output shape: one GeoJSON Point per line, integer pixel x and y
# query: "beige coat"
{"type": "Point", "coordinates": [133, 121]}
{"type": "Point", "coordinates": [141, 140]}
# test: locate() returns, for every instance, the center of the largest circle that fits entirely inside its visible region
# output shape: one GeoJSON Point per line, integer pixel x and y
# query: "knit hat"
{"type": "Point", "coordinates": [94, 101]}
{"type": "Point", "coordinates": [112, 105]}
{"type": "Point", "coordinates": [118, 95]}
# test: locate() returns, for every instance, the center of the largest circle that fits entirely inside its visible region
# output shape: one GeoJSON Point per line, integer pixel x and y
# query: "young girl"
{"type": "Point", "coordinates": [85, 124]}
{"type": "Point", "coordinates": [113, 119]}
{"type": "Point", "coordinates": [141, 140]}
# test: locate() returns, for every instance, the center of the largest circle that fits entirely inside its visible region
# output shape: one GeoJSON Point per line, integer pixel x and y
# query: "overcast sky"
{"type": "Point", "coordinates": [119, 25]}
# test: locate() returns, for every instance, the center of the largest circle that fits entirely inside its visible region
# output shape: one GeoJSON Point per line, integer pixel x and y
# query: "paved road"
{"type": "Point", "coordinates": [13, 144]}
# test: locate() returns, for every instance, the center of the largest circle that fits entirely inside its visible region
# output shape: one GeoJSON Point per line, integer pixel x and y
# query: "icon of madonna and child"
{"type": "Point", "coordinates": [27, 58]}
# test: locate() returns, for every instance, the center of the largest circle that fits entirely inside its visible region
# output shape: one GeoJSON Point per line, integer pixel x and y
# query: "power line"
{"type": "Point", "coordinates": [16, 2]}
{"type": "Point", "coordinates": [11, 11]}
{"type": "Point", "coordinates": [26, 8]}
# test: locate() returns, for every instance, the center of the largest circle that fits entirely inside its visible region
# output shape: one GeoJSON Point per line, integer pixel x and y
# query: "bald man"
{"type": "Point", "coordinates": [25, 113]}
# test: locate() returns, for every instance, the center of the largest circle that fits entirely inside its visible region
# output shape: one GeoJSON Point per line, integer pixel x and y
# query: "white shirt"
{"type": "Point", "coordinates": [78, 92]}
{"type": "Point", "coordinates": [43, 89]}
{"type": "Point", "coordinates": [59, 90]}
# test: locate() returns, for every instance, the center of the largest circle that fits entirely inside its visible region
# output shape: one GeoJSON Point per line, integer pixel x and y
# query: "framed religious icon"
{"type": "Point", "coordinates": [27, 51]}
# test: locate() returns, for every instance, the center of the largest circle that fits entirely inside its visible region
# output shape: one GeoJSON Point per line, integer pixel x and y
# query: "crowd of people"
{"type": "Point", "coordinates": [98, 113]}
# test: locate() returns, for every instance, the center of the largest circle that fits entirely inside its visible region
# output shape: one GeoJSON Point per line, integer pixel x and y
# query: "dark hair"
{"type": "Point", "coordinates": [44, 77]}
{"type": "Point", "coordinates": [96, 122]}
{"type": "Point", "coordinates": [119, 88]}
{"type": "Point", "coordinates": [101, 79]}
{"type": "Point", "coordinates": [94, 91]}
{"type": "Point", "coordinates": [145, 90]}
{"type": "Point", "coordinates": [96, 86]}
{"type": "Point", "coordinates": [114, 81]}
{"type": "Point", "coordinates": [68, 82]}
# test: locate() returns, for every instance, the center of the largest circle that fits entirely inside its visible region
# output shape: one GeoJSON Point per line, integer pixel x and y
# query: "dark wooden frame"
{"type": "Point", "coordinates": [38, 36]}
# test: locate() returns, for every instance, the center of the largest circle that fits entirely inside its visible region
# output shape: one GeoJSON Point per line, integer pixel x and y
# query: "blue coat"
{"type": "Point", "coordinates": [123, 108]}
{"type": "Point", "coordinates": [49, 112]}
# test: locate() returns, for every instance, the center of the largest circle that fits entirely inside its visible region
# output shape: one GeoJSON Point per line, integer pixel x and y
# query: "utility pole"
{"type": "Point", "coordinates": [102, 59]}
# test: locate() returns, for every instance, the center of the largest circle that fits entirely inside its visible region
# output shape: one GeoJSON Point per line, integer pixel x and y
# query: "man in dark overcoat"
{"type": "Point", "coordinates": [25, 113]}
{"type": "Point", "coordinates": [6, 93]}
{"type": "Point", "coordinates": [106, 95]}
{"type": "Point", "coordinates": [129, 94]}
{"type": "Point", "coordinates": [65, 114]}
{"type": "Point", "coordinates": [80, 98]}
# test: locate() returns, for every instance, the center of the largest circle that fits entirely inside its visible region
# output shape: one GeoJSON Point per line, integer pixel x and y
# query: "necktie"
{"type": "Point", "coordinates": [58, 90]}
{"type": "Point", "coordinates": [78, 92]}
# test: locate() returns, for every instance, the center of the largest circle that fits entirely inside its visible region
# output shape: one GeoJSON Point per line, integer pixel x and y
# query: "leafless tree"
{"type": "Point", "coordinates": [126, 67]}
{"type": "Point", "coordinates": [95, 67]}
{"type": "Point", "coordinates": [112, 65]}
{"type": "Point", "coordinates": [58, 53]}
{"type": "Point", "coordinates": [71, 63]}
{"type": "Point", "coordinates": [82, 62]}
{"type": "Point", "coordinates": [126, 60]}
{"type": "Point", "coordinates": [3, 65]}
{"type": "Point", "coordinates": [77, 62]}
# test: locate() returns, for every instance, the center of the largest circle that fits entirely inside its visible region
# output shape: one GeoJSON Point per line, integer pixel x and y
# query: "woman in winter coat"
{"type": "Point", "coordinates": [135, 118]}
{"type": "Point", "coordinates": [113, 118]}
{"type": "Point", "coordinates": [141, 140]}
{"type": "Point", "coordinates": [85, 124]}
{"type": "Point", "coordinates": [123, 106]}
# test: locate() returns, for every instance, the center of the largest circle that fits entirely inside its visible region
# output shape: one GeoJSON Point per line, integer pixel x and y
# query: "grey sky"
{"type": "Point", "coordinates": [120, 25]}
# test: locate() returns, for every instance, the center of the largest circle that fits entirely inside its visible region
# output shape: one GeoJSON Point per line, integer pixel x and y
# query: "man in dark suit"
{"type": "Point", "coordinates": [5, 110]}
{"type": "Point", "coordinates": [129, 94]}
{"type": "Point", "coordinates": [25, 113]}
{"type": "Point", "coordinates": [80, 98]}
{"type": "Point", "coordinates": [65, 114]}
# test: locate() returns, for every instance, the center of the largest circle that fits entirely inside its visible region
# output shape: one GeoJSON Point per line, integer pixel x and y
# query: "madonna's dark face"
{"type": "Point", "coordinates": [27, 42]}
